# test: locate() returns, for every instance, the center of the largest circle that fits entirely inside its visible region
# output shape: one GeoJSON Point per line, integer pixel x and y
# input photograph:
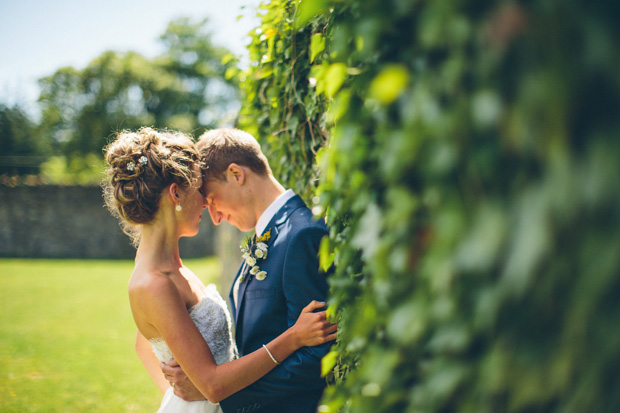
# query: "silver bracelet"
{"type": "Point", "coordinates": [271, 355]}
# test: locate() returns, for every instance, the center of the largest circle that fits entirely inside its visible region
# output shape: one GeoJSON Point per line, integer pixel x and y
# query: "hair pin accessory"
{"type": "Point", "coordinates": [131, 166]}
{"type": "Point", "coordinates": [143, 160]}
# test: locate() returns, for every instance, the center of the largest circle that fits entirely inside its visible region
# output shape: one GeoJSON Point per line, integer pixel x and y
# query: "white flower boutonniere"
{"type": "Point", "coordinates": [252, 252]}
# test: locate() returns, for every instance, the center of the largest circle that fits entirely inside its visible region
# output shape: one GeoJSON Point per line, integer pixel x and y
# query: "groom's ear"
{"type": "Point", "coordinates": [237, 173]}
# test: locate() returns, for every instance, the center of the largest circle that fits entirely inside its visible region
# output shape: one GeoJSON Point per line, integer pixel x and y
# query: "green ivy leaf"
{"type": "Point", "coordinates": [326, 257]}
{"type": "Point", "coordinates": [334, 78]}
{"type": "Point", "coordinates": [328, 362]}
{"type": "Point", "coordinates": [339, 106]}
{"type": "Point", "coordinates": [308, 9]}
{"type": "Point", "coordinates": [389, 83]}
{"type": "Point", "coordinates": [317, 45]}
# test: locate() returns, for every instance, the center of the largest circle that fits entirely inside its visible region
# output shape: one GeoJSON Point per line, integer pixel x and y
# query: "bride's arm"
{"type": "Point", "coordinates": [164, 309]}
{"type": "Point", "coordinates": [150, 362]}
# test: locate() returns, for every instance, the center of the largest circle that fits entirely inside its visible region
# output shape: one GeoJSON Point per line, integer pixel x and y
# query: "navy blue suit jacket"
{"type": "Point", "coordinates": [267, 308]}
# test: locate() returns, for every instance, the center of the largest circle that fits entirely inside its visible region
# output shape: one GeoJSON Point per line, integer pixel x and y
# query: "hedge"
{"type": "Point", "coordinates": [465, 155]}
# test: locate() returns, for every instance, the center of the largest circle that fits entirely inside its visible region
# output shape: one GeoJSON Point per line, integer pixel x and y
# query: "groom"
{"type": "Point", "coordinates": [241, 190]}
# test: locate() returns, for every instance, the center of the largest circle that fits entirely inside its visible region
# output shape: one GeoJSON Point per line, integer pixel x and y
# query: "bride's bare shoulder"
{"type": "Point", "coordinates": [146, 284]}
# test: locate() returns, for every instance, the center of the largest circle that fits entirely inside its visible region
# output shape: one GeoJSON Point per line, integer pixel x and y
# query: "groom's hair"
{"type": "Point", "coordinates": [221, 147]}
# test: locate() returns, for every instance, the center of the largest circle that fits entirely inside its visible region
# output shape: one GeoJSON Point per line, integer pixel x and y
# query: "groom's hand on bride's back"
{"type": "Point", "coordinates": [183, 387]}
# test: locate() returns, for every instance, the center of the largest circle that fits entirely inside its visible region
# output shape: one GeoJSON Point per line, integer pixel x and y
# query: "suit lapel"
{"type": "Point", "coordinates": [246, 268]}
{"type": "Point", "coordinates": [231, 294]}
{"type": "Point", "coordinates": [278, 219]}
{"type": "Point", "coordinates": [243, 286]}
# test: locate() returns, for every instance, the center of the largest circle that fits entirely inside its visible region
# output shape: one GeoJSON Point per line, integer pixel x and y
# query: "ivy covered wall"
{"type": "Point", "coordinates": [280, 106]}
{"type": "Point", "coordinates": [467, 163]}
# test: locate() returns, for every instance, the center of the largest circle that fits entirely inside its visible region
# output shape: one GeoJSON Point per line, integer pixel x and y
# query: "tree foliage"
{"type": "Point", "coordinates": [21, 152]}
{"type": "Point", "coordinates": [470, 178]}
{"type": "Point", "coordinates": [183, 89]}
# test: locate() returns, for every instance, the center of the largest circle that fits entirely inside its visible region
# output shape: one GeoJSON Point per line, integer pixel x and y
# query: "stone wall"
{"type": "Point", "coordinates": [72, 222]}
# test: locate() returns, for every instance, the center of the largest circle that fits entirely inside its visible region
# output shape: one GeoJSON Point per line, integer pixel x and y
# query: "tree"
{"type": "Point", "coordinates": [202, 68]}
{"type": "Point", "coordinates": [183, 89]}
{"type": "Point", "coordinates": [21, 151]}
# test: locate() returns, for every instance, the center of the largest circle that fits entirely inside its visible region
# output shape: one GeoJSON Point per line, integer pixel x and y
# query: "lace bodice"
{"type": "Point", "coordinates": [212, 318]}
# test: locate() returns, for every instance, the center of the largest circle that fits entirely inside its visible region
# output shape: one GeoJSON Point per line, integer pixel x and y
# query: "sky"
{"type": "Point", "coordinates": [38, 37]}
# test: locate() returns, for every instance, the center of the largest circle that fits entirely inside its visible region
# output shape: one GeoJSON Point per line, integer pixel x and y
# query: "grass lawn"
{"type": "Point", "coordinates": [66, 337]}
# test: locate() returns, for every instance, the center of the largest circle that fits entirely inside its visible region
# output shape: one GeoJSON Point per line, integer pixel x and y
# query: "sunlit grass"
{"type": "Point", "coordinates": [66, 337]}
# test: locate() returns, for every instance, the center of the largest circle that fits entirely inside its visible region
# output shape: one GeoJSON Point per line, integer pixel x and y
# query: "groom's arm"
{"type": "Point", "coordinates": [144, 350]}
{"type": "Point", "coordinates": [303, 282]}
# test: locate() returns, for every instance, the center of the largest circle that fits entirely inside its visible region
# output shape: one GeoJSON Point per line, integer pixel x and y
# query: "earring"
{"type": "Point", "coordinates": [179, 207]}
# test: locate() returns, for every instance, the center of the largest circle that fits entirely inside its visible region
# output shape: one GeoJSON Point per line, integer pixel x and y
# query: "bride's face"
{"type": "Point", "coordinates": [193, 204]}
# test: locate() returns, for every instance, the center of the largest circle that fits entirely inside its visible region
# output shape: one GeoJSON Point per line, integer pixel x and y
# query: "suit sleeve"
{"type": "Point", "coordinates": [302, 283]}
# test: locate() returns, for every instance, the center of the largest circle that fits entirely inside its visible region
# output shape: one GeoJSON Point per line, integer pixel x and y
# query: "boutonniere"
{"type": "Point", "coordinates": [253, 252]}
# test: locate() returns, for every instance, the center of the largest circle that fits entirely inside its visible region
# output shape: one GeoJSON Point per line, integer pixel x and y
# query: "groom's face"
{"type": "Point", "coordinates": [225, 203]}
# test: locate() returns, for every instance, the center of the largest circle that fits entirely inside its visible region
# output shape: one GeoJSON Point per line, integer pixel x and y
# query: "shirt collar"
{"type": "Point", "coordinates": [271, 210]}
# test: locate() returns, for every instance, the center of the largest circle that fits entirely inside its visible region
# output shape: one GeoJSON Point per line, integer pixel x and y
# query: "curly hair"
{"type": "Point", "coordinates": [141, 165]}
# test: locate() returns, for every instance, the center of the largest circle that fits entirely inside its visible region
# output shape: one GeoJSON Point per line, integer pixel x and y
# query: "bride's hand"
{"type": "Point", "coordinates": [312, 328]}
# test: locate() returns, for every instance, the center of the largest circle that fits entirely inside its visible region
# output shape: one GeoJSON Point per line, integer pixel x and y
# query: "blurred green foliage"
{"type": "Point", "coordinates": [185, 88]}
{"type": "Point", "coordinates": [21, 150]}
{"type": "Point", "coordinates": [85, 170]}
{"type": "Point", "coordinates": [471, 181]}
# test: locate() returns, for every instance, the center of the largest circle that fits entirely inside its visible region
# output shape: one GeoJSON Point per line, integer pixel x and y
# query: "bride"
{"type": "Point", "coordinates": [154, 187]}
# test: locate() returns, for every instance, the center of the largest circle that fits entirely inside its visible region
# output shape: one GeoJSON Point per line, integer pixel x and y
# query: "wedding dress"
{"type": "Point", "coordinates": [213, 320]}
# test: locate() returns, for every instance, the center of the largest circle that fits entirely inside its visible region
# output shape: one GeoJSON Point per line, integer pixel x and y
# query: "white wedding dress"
{"type": "Point", "coordinates": [213, 320]}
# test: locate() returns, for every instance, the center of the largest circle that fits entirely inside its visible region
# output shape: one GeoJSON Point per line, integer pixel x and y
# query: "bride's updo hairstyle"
{"type": "Point", "coordinates": [141, 165]}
